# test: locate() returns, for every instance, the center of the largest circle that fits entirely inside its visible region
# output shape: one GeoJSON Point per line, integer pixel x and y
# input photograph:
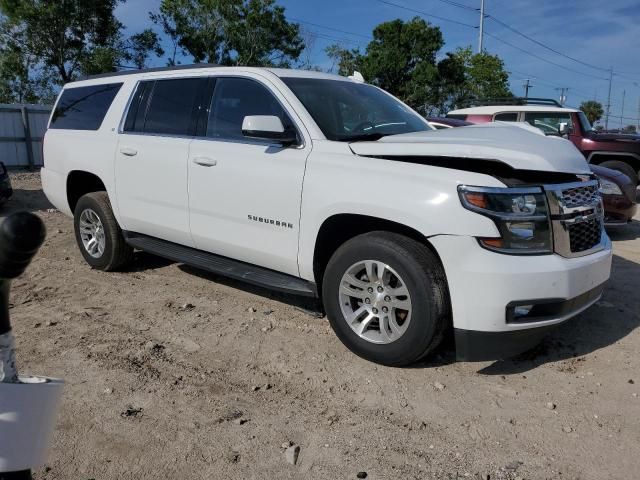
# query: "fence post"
{"type": "Point", "coordinates": [27, 136]}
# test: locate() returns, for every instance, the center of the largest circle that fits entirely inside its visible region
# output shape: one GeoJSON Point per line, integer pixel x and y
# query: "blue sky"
{"type": "Point", "coordinates": [601, 34]}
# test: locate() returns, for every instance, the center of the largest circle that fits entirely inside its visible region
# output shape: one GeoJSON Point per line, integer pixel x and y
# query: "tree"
{"type": "Point", "coordinates": [629, 129]}
{"type": "Point", "coordinates": [484, 76]}
{"type": "Point", "coordinates": [593, 110]}
{"type": "Point", "coordinates": [55, 42]}
{"type": "Point", "coordinates": [401, 58]}
{"type": "Point", "coordinates": [231, 32]}
{"type": "Point", "coordinates": [347, 61]}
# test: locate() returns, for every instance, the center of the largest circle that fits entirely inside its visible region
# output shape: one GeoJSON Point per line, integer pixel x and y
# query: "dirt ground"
{"type": "Point", "coordinates": [176, 374]}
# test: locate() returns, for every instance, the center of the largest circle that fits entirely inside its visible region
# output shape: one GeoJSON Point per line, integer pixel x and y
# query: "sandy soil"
{"type": "Point", "coordinates": [176, 374]}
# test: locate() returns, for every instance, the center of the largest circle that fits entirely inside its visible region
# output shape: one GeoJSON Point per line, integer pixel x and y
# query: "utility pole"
{"type": "Point", "coordinates": [481, 35]}
{"type": "Point", "coordinates": [527, 85]}
{"type": "Point", "coordinates": [606, 119]}
{"type": "Point", "coordinates": [638, 129]}
{"type": "Point", "coordinates": [563, 94]}
{"type": "Point", "coordinates": [624, 94]}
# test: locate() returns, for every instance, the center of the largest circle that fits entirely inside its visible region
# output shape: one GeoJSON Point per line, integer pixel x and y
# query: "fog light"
{"type": "Point", "coordinates": [522, 311]}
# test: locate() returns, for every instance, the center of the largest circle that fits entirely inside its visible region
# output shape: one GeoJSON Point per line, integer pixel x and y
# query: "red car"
{"type": "Point", "coordinates": [618, 151]}
{"type": "Point", "coordinates": [618, 190]}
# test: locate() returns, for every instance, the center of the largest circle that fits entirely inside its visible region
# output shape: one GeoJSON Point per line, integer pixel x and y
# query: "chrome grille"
{"type": "Point", "coordinates": [576, 197]}
{"type": "Point", "coordinates": [584, 236]}
{"type": "Point", "coordinates": [576, 218]}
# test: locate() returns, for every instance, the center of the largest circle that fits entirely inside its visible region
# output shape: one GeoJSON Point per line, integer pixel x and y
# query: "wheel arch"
{"type": "Point", "coordinates": [339, 228]}
{"type": "Point", "coordinates": [81, 182]}
{"type": "Point", "coordinates": [630, 158]}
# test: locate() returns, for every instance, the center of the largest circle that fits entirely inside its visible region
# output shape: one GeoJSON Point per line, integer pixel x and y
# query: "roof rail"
{"type": "Point", "coordinates": [483, 102]}
{"type": "Point", "coordinates": [149, 70]}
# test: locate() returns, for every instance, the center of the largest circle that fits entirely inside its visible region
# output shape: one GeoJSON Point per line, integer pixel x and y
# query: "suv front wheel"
{"type": "Point", "coordinates": [386, 298]}
{"type": "Point", "coordinates": [98, 234]}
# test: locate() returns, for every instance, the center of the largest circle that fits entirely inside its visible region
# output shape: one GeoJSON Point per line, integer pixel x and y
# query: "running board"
{"type": "Point", "coordinates": [222, 265]}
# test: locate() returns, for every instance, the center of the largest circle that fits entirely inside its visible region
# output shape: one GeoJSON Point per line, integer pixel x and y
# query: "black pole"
{"type": "Point", "coordinates": [21, 235]}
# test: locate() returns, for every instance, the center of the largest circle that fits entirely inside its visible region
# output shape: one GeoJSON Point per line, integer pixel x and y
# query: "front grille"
{"type": "Point", "coordinates": [576, 197]}
{"type": "Point", "coordinates": [584, 236]}
{"type": "Point", "coordinates": [576, 218]}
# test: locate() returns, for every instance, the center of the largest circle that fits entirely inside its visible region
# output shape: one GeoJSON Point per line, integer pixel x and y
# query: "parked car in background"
{"type": "Point", "coordinates": [617, 189]}
{"type": "Point", "coordinates": [443, 122]}
{"type": "Point", "coordinates": [619, 196]}
{"type": "Point", "coordinates": [618, 151]}
{"type": "Point", "coordinates": [6, 191]}
{"type": "Point", "coordinates": [324, 186]}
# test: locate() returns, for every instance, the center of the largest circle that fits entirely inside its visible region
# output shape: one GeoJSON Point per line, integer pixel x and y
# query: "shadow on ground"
{"type": "Point", "coordinates": [25, 200]}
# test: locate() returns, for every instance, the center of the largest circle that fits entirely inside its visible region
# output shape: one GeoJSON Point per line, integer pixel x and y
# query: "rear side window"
{"type": "Point", "coordinates": [84, 108]}
{"type": "Point", "coordinates": [506, 117]}
{"type": "Point", "coordinates": [236, 98]}
{"type": "Point", "coordinates": [456, 116]}
{"type": "Point", "coordinates": [165, 107]}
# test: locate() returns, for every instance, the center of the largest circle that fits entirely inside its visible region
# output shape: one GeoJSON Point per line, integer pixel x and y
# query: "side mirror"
{"type": "Point", "coordinates": [563, 128]}
{"type": "Point", "coordinates": [267, 127]}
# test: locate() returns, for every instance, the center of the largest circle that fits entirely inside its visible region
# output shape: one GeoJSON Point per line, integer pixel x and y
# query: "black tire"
{"type": "Point", "coordinates": [424, 277]}
{"type": "Point", "coordinates": [622, 167]}
{"type": "Point", "coordinates": [116, 253]}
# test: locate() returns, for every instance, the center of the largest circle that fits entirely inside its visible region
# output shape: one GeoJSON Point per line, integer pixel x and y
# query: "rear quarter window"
{"type": "Point", "coordinates": [83, 108]}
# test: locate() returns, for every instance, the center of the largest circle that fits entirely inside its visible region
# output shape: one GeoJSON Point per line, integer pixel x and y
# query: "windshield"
{"type": "Point", "coordinates": [347, 111]}
{"type": "Point", "coordinates": [584, 122]}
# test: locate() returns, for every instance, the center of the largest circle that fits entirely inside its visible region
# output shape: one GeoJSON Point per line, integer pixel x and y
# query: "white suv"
{"type": "Point", "coordinates": [325, 186]}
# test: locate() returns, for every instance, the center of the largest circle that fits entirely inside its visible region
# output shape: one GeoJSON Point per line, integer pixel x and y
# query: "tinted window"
{"type": "Point", "coordinates": [349, 111]}
{"type": "Point", "coordinates": [84, 108]}
{"type": "Point", "coordinates": [506, 117]}
{"type": "Point", "coordinates": [171, 108]}
{"type": "Point", "coordinates": [235, 98]}
{"type": "Point", "coordinates": [548, 122]}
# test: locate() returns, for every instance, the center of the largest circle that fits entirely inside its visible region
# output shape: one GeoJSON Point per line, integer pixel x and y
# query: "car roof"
{"type": "Point", "coordinates": [203, 68]}
{"type": "Point", "coordinates": [493, 109]}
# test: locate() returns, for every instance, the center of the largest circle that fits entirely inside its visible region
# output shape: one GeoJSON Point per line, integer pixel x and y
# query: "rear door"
{"type": "Point", "coordinates": [244, 193]}
{"type": "Point", "coordinates": [151, 158]}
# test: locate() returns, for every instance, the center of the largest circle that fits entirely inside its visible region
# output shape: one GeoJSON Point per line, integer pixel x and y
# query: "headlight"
{"type": "Point", "coordinates": [521, 215]}
{"type": "Point", "coordinates": [607, 187]}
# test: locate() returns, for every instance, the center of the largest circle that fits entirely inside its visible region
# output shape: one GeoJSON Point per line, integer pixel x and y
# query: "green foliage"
{"type": "Point", "coordinates": [231, 32]}
{"type": "Point", "coordinates": [484, 76]}
{"type": "Point", "coordinates": [401, 58]}
{"type": "Point", "coordinates": [629, 129]}
{"type": "Point", "coordinates": [593, 110]}
{"type": "Point", "coordinates": [48, 43]}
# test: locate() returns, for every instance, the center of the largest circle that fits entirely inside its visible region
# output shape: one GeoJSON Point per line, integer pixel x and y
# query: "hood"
{"type": "Point", "coordinates": [517, 147]}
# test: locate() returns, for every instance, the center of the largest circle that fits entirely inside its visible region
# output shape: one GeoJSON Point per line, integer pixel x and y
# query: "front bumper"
{"type": "Point", "coordinates": [483, 285]}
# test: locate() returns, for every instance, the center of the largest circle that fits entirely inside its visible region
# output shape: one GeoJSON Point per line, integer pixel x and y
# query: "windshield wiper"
{"type": "Point", "coordinates": [364, 137]}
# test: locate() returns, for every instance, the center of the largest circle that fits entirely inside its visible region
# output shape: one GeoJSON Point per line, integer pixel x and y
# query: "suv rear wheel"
{"type": "Point", "coordinates": [386, 298]}
{"type": "Point", "coordinates": [98, 234]}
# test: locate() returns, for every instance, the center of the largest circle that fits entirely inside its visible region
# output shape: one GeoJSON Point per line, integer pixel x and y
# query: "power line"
{"type": "Point", "coordinates": [368, 37]}
{"type": "Point", "coordinates": [542, 58]}
{"type": "Point", "coordinates": [518, 32]}
{"type": "Point", "coordinates": [426, 14]}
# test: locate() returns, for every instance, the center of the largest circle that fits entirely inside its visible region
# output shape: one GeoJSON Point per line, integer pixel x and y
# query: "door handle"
{"type": "Point", "coordinates": [205, 161]}
{"type": "Point", "coordinates": [129, 152]}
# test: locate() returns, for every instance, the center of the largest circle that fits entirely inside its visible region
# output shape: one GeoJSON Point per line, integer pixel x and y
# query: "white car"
{"type": "Point", "coordinates": [325, 186]}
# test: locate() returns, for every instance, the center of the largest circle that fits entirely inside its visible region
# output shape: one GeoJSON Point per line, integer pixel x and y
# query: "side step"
{"type": "Point", "coordinates": [222, 265]}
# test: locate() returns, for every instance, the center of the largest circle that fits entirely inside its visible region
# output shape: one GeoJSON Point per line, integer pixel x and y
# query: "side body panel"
{"type": "Point", "coordinates": [419, 196]}
{"type": "Point", "coordinates": [89, 151]}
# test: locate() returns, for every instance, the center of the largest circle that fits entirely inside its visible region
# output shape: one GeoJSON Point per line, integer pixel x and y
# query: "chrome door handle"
{"type": "Point", "coordinates": [205, 161]}
{"type": "Point", "coordinates": [129, 152]}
